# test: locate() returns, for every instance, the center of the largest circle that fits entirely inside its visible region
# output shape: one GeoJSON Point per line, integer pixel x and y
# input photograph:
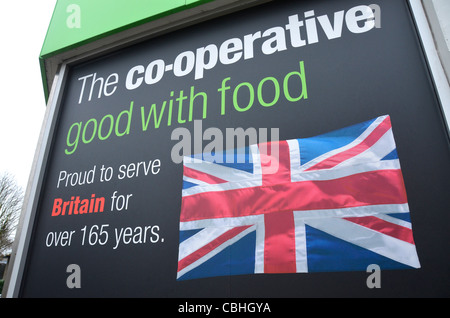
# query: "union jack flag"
{"type": "Point", "coordinates": [334, 202]}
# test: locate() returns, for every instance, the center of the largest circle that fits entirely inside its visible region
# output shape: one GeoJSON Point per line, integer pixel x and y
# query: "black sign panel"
{"type": "Point", "coordinates": [108, 218]}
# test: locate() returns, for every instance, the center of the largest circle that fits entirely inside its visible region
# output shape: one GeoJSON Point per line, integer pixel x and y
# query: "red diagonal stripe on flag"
{"type": "Point", "coordinates": [191, 258]}
{"type": "Point", "coordinates": [382, 226]}
{"type": "Point", "coordinates": [198, 175]}
{"type": "Point", "coordinates": [368, 142]}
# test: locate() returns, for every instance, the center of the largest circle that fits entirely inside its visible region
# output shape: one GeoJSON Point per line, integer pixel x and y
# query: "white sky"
{"type": "Point", "coordinates": [23, 26]}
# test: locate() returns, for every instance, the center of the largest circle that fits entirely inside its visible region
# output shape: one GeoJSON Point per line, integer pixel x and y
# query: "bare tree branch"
{"type": "Point", "coordinates": [11, 199]}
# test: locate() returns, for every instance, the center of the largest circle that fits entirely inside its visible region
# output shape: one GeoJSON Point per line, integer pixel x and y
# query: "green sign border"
{"type": "Point", "coordinates": [78, 22]}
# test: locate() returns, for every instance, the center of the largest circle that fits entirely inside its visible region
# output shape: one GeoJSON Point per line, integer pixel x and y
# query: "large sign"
{"type": "Point", "coordinates": [154, 185]}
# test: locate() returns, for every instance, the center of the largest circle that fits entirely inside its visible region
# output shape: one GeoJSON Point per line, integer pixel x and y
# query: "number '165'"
{"type": "Point", "coordinates": [95, 234]}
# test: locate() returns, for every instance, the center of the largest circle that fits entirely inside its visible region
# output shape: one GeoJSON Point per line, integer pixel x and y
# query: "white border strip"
{"type": "Point", "coordinates": [437, 70]}
{"type": "Point", "coordinates": [23, 235]}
